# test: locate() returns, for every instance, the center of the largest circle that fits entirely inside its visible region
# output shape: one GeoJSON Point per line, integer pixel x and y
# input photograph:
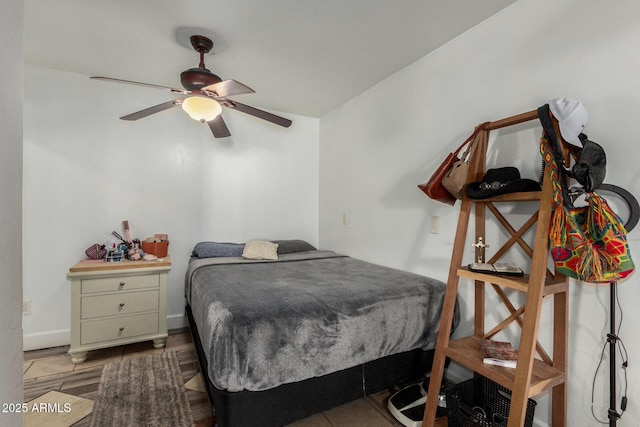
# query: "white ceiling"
{"type": "Point", "coordinates": [300, 56]}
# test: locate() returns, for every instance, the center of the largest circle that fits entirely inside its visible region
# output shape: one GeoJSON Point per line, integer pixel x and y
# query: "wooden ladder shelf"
{"type": "Point", "coordinates": [536, 371]}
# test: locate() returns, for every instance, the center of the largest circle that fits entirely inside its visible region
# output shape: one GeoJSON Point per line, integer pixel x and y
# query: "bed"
{"type": "Point", "coordinates": [293, 331]}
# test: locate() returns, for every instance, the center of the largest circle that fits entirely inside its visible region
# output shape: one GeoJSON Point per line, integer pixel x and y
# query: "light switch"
{"type": "Point", "coordinates": [435, 225]}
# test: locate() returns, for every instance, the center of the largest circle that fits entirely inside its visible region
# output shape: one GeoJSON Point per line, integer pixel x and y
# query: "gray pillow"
{"type": "Point", "coordinates": [292, 246]}
{"type": "Point", "coordinates": [215, 249]}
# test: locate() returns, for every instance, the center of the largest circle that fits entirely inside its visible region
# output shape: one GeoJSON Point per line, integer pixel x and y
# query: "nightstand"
{"type": "Point", "coordinates": [116, 303]}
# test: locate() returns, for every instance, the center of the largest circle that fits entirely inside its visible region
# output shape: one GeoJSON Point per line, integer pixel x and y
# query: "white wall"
{"type": "Point", "coordinates": [11, 100]}
{"type": "Point", "coordinates": [375, 149]}
{"type": "Point", "coordinates": [85, 172]}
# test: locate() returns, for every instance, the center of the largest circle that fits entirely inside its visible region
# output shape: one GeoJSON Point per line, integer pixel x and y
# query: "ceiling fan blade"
{"type": "Point", "coordinates": [256, 112]}
{"type": "Point", "coordinates": [170, 89]}
{"type": "Point", "coordinates": [227, 88]}
{"type": "Point", "coordinates": [219, 127]}
{"type": "Point", "coordinates": [151, 110]}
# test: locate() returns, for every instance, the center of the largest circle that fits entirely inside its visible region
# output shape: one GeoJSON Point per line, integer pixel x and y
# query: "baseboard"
{"type": "Point", "coordinates": [60, 338]}
{"type": "Point", "coordinates": [177, 321]}
{"type": "Point", "coordinates": [46, 340]}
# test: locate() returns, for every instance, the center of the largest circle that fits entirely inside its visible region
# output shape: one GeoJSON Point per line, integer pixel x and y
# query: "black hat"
{"type": "Point", "coordinates": [501, 181]}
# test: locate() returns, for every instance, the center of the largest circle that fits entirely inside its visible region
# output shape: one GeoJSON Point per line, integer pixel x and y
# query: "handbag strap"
{"type": "Point", "coordinates": [468, 152]}
{"type": "Point", "coordinates": [560, 172]}
{"type": "Point", "coordinates": [471, 139]}
{"type": "Point", "coordinates": [551, 165]}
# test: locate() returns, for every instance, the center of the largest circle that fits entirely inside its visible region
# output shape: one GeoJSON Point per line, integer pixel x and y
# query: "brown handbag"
{"type": "Point", "coordinates": [433, 188]}
{"type": "Point", "coordinates": [455, 169]}
{"type": "Point", "coordinates": [455, 180]}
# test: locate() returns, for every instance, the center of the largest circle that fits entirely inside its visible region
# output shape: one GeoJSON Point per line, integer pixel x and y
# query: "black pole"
{"type": "Point", "coordinates": [612, 339]}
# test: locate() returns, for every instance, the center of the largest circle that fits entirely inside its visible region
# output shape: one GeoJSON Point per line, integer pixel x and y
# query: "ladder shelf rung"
{"type": "Point", "coordinates": [524, 196]}
{"type": "Point", "coordinates": [520, 283]}
{"type": "Point", "coordinates": [466, 351]}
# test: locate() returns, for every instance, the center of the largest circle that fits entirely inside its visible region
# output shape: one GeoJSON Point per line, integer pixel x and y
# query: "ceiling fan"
{"type": "Point", "coordinates": [207, 94]}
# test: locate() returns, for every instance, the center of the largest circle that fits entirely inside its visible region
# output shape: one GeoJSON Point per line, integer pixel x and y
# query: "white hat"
{"type": "Point", "coordinates": [572, 117]}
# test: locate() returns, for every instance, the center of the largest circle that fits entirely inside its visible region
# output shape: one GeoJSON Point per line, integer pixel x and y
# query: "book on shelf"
{"type": "Point", "coordinates": [507, 268]}
{"type": "Point", "coordinates": [500, 353]}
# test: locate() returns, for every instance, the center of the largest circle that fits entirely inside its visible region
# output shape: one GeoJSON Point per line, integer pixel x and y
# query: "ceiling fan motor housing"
{"type": "Point", "coordinates": [197, 78]}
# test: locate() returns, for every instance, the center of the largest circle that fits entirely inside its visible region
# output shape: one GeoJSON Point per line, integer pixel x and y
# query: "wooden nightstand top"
{"type": "Point", "coordinates": [86, 266]}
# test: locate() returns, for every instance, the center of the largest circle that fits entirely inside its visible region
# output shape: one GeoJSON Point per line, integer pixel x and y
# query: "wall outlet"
{"type": "Point", "coordinates": [26, 307]}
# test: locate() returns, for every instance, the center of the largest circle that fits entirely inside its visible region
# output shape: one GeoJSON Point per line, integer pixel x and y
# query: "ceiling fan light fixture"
{"type": "Point", "coordinates": [201, 108]}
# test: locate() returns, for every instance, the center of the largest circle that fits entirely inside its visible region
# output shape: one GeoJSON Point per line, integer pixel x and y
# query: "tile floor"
{"type": "Point", "coordinates": [52, 381]}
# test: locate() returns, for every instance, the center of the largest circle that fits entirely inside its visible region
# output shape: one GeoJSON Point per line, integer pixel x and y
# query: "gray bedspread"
{"type": "Point", "coordinates": [266, 323]}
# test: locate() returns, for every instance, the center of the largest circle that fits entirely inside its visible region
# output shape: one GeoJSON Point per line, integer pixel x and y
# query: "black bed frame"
{"type": "Point", "coordinates": [287, 403]}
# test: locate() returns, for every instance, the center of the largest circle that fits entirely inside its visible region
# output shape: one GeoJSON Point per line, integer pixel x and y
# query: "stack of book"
{"type": "Point", "coordinates": [499, 353]}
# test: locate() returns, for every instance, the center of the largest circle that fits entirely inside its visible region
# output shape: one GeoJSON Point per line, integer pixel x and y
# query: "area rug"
{"type": "Point", "coordinates": [147, 391]}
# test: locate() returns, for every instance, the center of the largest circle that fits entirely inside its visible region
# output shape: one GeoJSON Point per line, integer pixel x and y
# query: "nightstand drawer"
{"type": "Point", "coordinates": [106, 284]}
{"type": "Point", "coordinates": [94, 331]}
{"type": "Point", "coordinates": [121, 303]}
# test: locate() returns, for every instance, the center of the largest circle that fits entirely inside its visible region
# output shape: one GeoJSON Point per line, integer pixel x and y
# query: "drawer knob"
{"type": "Point", "coordinates": [121, 328]}
{"type": "Point", "coordinates": [121, 283]}
{"type": "Point", "coordinates": [121, 304]}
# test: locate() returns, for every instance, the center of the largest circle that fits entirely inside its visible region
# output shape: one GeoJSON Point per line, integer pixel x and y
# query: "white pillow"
{"type": "Point", "coordinates": [260, 249]}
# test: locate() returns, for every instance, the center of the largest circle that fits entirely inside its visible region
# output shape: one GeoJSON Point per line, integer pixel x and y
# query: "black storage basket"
{"type": "Point", "coordinates": [481, 402]}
